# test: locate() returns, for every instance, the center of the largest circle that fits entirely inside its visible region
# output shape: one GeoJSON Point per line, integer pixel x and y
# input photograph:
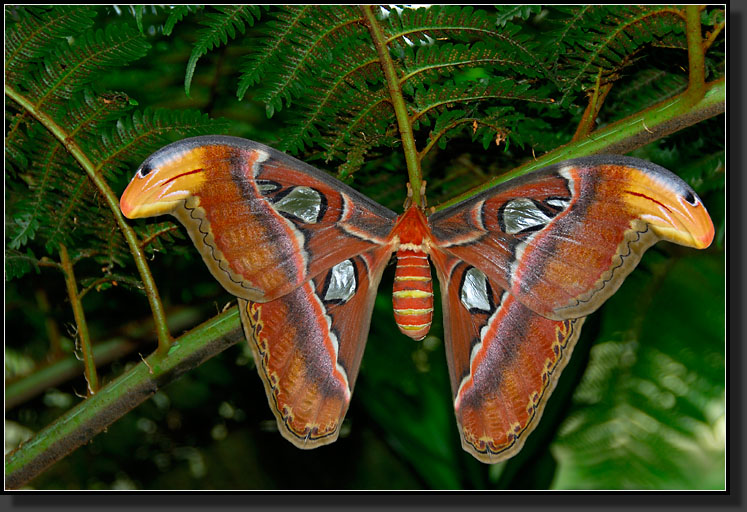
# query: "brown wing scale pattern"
{"type": "Point", "coordinates": [308, 346]}
{"type": "Point", "coordinates": [504, 360]}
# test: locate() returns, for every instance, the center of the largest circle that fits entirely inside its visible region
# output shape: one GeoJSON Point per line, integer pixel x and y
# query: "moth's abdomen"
{"type": "Point", "coordinates": [413, 293]}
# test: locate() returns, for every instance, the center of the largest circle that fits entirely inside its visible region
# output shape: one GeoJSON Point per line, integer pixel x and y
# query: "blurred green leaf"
{"type": "Point", "coordinates": [650, 408]}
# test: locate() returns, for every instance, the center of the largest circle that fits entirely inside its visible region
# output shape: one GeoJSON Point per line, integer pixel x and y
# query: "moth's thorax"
{"type": "Point", "coordinates": [412, 295]}
{"type": "Point", "coordinates": [411, 230]}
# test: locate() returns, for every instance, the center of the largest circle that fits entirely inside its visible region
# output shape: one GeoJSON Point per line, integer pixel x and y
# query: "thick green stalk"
{"type": "Point", "coordinates": [398, 102]}
{"type": "Point", "coordinates": [625, 135]}
{"type": "Point", "coordinates": [84, 339]}
{"type": "Point", "coordinates": [695, 54]}
{"type": "Point", "coordinates": [81, 423]}
{"type": "Point", "coordinates": [164, 338]}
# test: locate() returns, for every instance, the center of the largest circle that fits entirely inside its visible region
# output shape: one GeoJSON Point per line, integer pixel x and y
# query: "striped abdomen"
{"type": "Point", "coordinates": [413, 293]}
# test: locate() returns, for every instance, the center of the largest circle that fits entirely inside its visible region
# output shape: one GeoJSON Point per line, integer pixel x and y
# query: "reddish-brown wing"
{"type": "Point", "coordinates": [562, 239]}
{"type": "Point", "coordinates": [264, 222]}
{"type": "Point", "coordinates": [308, 346]}
{"type": "Point", "coordinates": [504, 359]}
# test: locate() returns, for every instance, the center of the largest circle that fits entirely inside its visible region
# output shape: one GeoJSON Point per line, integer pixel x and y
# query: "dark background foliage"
{"type": "Point", "coordinates": [641, 404]}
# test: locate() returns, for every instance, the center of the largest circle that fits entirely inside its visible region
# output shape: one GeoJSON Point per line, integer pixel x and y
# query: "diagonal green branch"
{"type": "Point", "coordinates": [164, 338]}
{"type": "Point", "coordinates": [81, 423]}
{"type": "Point", "coordinates": [625, 135]}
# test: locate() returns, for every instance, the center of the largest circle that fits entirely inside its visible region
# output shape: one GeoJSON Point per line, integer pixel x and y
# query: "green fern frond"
{"type": "Point", "coordinates": [17, 138]}
{"type": "Point", "coordinates": [431, 62]}
{"type": "Point", "coordinates": [178, 12]}
{"type": "Point", "coordinates": [135, 136]}
{"type": "Point", "coordinates": [425, 26]}
{"type": "Point", "coordinates": [594, 38]}
{"type": "Point", "coordinates": [642, 90]}
{"type": "Point", "coordinates": [70, 67]}
{"type": "Point", "coordinates": [438, 97]}
{"type": "Point", "coordinates": [494, 125]}
{"type": "Point", "coordinates": [221, 27]}
{"type": "Point", "coordinates": [18, 264]}
{"type": "Point", "coordinates": [268, 51]}
{"type": "Point", "coordinates": [33, 32]}
{"type": "Point", "coordinates": [320, 34]}
{"type": "Point", "coordinates": [365, 117]}
{"type": "Point", "coordinates": [354, 73]}
{"type": "Point", "coordinates": [55, 200]}
{"type": "Point", "coordinates": [108, 247]}
{"type": "Point", "coordinates": [20, 228]}
{"type": "Point", "coordinates": [508, 13]}
{"type": "Point", "coordinates": [88, 111]}
{"type": "Point", "coordinates": [28, 210]}
{"type": "Point", "coordinates": [343, 106]}
{"type": "Point", "coordinates": [646, 400]}
{"type": "Point", "coordinates": [160, 236]}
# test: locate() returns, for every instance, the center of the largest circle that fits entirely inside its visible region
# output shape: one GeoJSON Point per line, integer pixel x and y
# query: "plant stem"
{"type": "Point", "coordinates": [398, 102]}
{"type": "Point", "coordinates": [625, 135]}
{"type": "Point", "coordinates": [712, 36]}
{"type": "Point", "coordinates": [84, 338]}
{"type": "Point", "coordinates": [695, 54]}
{"type": "Point", "coordinates": [164, 338]}
{"type": "Point", "coordinates": [586, 125]}
{"type": "Point", "coordinates": [81, 423]}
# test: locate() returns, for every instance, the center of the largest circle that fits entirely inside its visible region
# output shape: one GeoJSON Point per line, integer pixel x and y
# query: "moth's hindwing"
{"type": "Point", "coordinates": [308, 346]}
{"type": "Point", "coordinates": [504, 360]}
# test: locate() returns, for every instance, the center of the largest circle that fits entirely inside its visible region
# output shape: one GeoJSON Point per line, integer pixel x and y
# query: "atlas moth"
{"type": "Point", "coordinates": [519, 265]}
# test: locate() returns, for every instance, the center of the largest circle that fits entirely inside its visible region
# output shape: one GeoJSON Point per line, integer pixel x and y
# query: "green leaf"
{"type": "Point", "coordinates": [221, 27]}
{"type": "Point", "coordinates": [72, 66]}
{"type": "Point", "coordinates": [18, 264]}
{"type": "Point", "coordinates": [178, 12]}
{"type": "Point", "coordinates": [652, 398]}
{"type": "Point", "coordinates": [507, 13]}
{"type": "Point", "coordinates": [33, 32]}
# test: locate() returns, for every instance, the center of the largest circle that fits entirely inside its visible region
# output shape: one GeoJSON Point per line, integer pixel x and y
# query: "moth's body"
{"type": "Point", "coordinates": [412, 294]}
{"type": "Point", "coordinates": [519, 266]}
